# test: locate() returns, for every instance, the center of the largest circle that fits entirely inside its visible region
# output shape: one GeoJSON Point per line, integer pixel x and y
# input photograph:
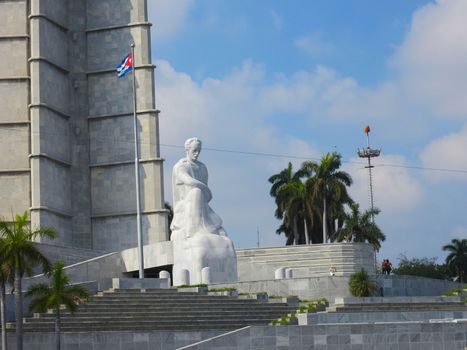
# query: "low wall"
{"type": "Point", "coordinates": [304, 288]}
{"type": "Point", "coordinates": [397, 285]}
{"type": "Point", "coordinates": [332, 337]}
{"type": "Point", "coordinates": [157, 340]}
{"type": "Point", "coordinates": [338, 286]}
{"type": "Point", "coordinates": [68, 255]}
{"type": "Point", "coordinates": [406, 335]}
{"type": "Point", "coordinates": [101, 269]}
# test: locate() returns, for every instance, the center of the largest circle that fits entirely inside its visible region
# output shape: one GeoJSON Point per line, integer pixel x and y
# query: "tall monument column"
{"type": "Point", "coordinates": [69, 122]}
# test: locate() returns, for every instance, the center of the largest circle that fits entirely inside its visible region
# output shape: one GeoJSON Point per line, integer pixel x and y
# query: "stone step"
{"type": "Point", "coordinates": [194, 309]}
{"type": "Point", "coordinates": [148, 315]}
{"type": "Point", "coordinates": [170, 297]}
{"type": "Point", "coordinates": [149, 302]}
{"type": "Point", "coordinates": [167, 319]}
{"type": "Point", "coordinates": [303, 256]}
{"type": "Point", "coordinates": [328, 247]}
{"type": "Point", "coordinates": [130, 327]}
{"type": "Point", "coordinates": [175, 301]}
{"type": "Point", "coordinates": [132, 324]}
{"type": "Point", "coordinates": [135, 310]}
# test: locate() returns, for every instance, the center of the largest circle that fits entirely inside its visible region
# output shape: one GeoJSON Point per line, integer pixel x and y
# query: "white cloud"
{"type": "Point", "coordinates": [448, 152]}
{"type": "Point", "coordinates": [395, 189]}
{"type": "Point", "coordinates": [314, 44]}
{"type": "Point", "coordinates": [168, 17]}
{"type": "Point", "coordinates": [432, 59]}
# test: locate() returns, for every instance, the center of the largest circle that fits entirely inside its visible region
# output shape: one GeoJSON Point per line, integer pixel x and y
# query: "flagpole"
{"type": "Point", "coordinates": [138, 204]}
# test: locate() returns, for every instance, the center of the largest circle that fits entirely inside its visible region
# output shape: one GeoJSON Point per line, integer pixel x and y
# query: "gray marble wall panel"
{"type": "Point", "coordinates": [15, 147]}
{"type": "Point", "coordinates": [436, 336]}
{"type": "Point", "coordinates": [49, 35]}
{"type": "Point", "coordinates": [52, 183]}
{"type": "Point", "coordinates": [396, 285]}
{"type": "Point", "coordinates": [14, 17]}
{"type": "Point", "coordinates": [59, 222]}
{"type": "Point", "coordinates": [49, 86]}
{"type": "Point", "coordinates": [14, 53]}
{"type": "Point", "coordinates": [107, 48]}
{"type": "Point", "coordinates": [110, 95]}
{"type": "Point", "coordinates": [113, 189]}
{"type": "Point", "coordinates": [163, 340]}
{"type": "Point", "coordinates": [119, 232]}
{"type": "Point", "coordinates": [105, 13]}
{"type": "Point", "coordinates": [14, 191]}
{"type": "Point", "coordinates": [51, 134]}
{"type": "Point", "coordinates": [111, 140]}
{"type": "Point", "coordinates": [57, 10]}
{"type": "Point", "coordinates": [115, 233]}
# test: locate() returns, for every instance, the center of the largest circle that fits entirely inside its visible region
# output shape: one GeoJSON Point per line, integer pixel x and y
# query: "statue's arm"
{"type": "Point", "coordinates": [184, 178]}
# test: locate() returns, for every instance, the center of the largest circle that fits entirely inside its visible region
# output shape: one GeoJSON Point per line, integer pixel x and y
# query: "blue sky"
{"type": "Point", "coordinates": [302, 78]}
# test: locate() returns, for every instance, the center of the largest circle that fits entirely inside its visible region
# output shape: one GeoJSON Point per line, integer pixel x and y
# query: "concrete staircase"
{"type": "Point", "coordinates": [161, 309]}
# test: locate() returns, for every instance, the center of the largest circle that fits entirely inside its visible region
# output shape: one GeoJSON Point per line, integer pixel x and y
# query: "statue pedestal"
{"type": "Point", "coordinates": [193, 254]}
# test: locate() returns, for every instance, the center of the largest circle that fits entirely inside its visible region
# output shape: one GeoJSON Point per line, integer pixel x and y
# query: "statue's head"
{"type": "Point", "coordinates": [193, 148]}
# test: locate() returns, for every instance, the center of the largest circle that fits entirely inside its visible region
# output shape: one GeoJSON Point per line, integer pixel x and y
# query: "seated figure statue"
{"type": "Point", "coordinates": [202, 251]}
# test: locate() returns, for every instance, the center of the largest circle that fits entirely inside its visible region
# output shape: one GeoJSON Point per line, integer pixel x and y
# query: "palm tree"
{"type": "Point", "coordinates": [19, 250]}
{"type": "Point", "coordinates": [293, 204]}
{"type": "Point", "coordinates": [285, 185]}
{"type": "Point", "coordinates": [457, 257]}
{"type": "Point", "coordinates": [328, 186]}
{"type": "Point", "coordinates": [6, 273]}
{"type": "Point", "coordinates": [53, 296]}
{"type": "Point", "coordinates": [359, 227]}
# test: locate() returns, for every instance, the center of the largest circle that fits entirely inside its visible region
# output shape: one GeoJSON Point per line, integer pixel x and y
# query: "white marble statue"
{"type": "Point", "coordinates": [202, 251]}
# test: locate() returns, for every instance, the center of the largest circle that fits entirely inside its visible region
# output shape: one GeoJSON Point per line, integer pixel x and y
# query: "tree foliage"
{"type": "Point", "coordinates": [327, 188]}
{"type": "Point", "coordinates": [457, 257]}
{"type": "Point", "coordinates": [358, 227]}
{"type": "Point", "coordinates": [422, 267]}
{"type": "Point", "coordinates": [6, 277]}
{"type": "Point", "coordinates": [18, 250]}
{"type": "Point", "coordinates": [315, 193]}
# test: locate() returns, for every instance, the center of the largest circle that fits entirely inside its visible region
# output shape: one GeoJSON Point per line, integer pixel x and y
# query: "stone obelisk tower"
{"type": "Point", "coordinates": [66, 133]}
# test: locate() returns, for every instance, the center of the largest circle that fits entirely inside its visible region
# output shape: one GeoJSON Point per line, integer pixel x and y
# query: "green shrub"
{"type": "Point", "coordinates": [360, 284]}
{"type": "Point", "coordinates": [455, 292]}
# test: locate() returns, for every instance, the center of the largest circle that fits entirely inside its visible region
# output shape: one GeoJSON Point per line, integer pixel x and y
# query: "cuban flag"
{"type": "Point", "coordinates": [125, 66]}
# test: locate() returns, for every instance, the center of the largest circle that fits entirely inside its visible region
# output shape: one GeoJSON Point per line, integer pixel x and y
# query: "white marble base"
{"type": "Point", "coordinates": [204, 250]}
